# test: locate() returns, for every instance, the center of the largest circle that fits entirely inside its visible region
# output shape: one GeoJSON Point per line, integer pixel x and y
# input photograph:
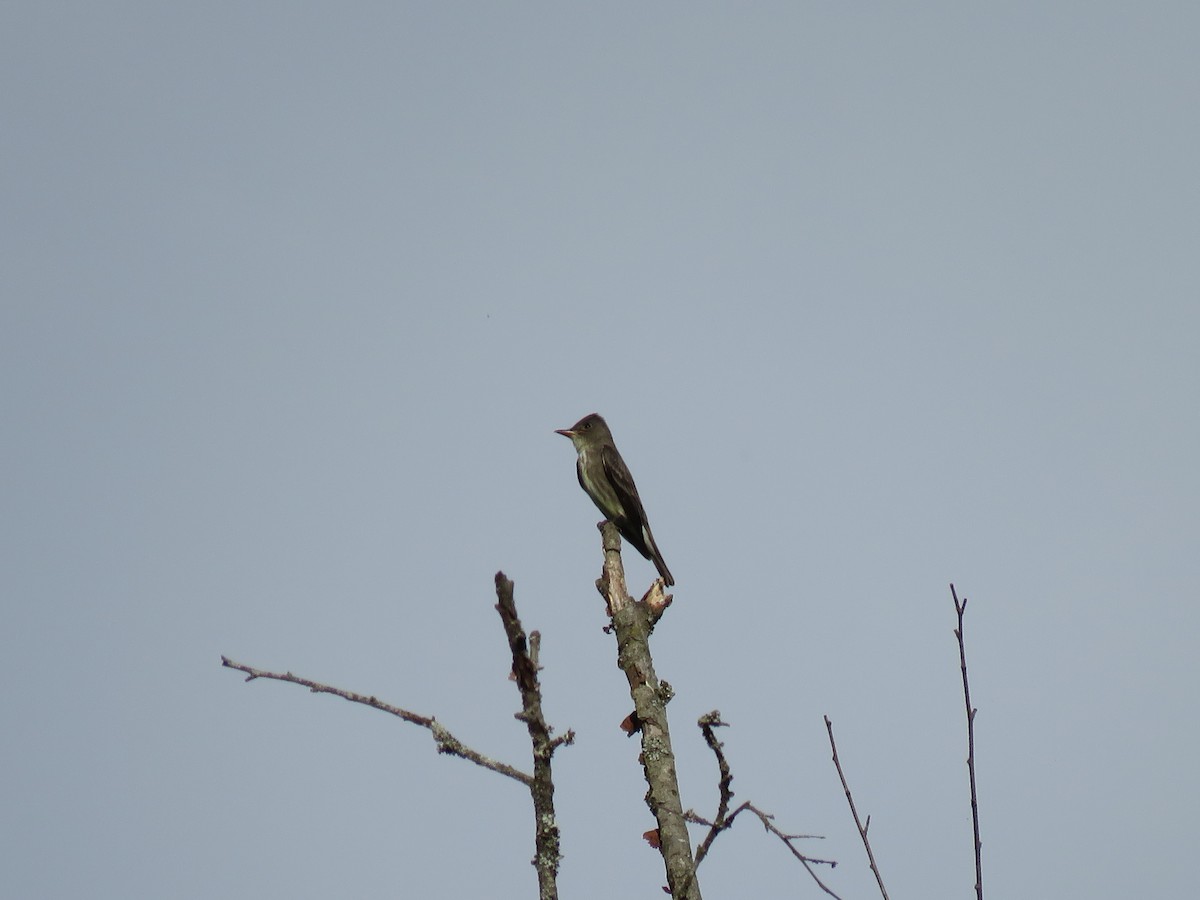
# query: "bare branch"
{"type": "Point", "coordinates": [961, 608]}
{"type": "Point", "coordinates": [632, 623]}
{"type": "Point", "coordinates": [525, 670]}
{"type": "Point", "coordinates": [446, 742]}
{"type": "Point", "coordinates": [525, 673]}
{"type": "Point", "coordinates": [862, 829]}
{"type": "Point", "coordinates": [708, 724]}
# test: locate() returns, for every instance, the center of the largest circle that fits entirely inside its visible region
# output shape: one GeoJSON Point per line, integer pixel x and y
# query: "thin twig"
{"type": "Point", "coordinates": [708, 724]}
{"type": "Point", "coordinates": [724, 820]}
{"type": "Point", "coordinates": [446, 742]}
{"type": "Point", "coordinates": [862, 829]}
{"type": "Point", "coordinates": [961, 608]}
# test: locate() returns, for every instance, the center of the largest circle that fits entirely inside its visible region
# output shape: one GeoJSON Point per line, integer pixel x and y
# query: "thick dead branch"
{"type": "Point", "coordinates": [632, 623]}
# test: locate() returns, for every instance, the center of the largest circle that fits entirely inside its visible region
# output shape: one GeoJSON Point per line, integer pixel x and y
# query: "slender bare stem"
{"type": "Point", "coordinates": [862, 829]}
{"type": "Point", "coordinates": [961, 608]}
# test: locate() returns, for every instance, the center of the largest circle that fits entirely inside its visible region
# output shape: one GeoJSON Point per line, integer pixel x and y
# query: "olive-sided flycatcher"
{"type": "Point", "coordinates": [606, 479]}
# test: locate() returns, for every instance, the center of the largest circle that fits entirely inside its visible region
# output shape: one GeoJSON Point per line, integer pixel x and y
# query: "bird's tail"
{"type": "Point", "coordinates": [656, 557]}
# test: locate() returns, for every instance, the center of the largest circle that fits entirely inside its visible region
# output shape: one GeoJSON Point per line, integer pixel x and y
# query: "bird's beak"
{"type": "Point", "coordinates": [565, 432]}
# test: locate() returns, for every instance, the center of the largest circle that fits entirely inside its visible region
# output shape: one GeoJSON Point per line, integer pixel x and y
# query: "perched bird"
{"type": "Point", "coordinates": [606, 479]}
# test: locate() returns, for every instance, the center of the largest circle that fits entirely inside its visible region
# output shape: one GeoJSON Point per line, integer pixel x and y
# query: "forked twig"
{"type": "Point", "coordinates": [724, 820]}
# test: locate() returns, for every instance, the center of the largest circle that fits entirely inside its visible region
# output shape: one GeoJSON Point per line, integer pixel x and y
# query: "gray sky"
{"type": "Point", "coordinates": [874, 297]}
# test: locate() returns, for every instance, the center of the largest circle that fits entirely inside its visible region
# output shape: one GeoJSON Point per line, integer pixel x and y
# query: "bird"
{"type": "Point", "coordinates": [605, 478]}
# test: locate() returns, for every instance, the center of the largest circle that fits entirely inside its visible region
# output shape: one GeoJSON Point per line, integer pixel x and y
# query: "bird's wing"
{"type": "Point", "coordinates": [626, 490]}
